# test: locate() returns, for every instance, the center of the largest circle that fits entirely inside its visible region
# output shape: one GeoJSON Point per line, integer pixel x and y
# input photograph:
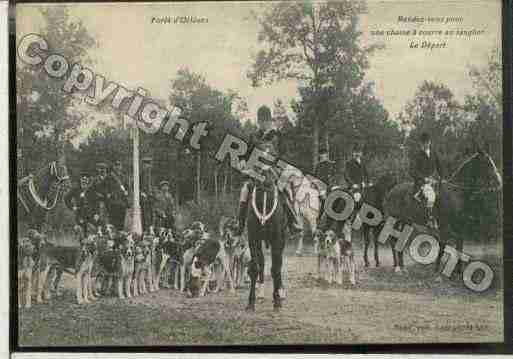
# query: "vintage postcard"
{"type": "Point", "coordinates": [258, 173]}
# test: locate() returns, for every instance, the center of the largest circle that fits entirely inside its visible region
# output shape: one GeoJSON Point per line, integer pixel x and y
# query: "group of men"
{"type": "Point", "coordinates": [424, 164]}
{"type": "Point", "coordinates": [104, 198]}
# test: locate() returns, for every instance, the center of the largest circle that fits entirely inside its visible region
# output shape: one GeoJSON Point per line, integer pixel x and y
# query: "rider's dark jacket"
{"type": "Point", "coordinates": [270, 138]}
{"type": "Point", "coordinates": [422, 165]}
{"type": "Point", "coordinates": [355, 172]}
{"type": "Point", "coordinates": [98, 192]}
{"type": "Point", "coordinates": [325, 171]}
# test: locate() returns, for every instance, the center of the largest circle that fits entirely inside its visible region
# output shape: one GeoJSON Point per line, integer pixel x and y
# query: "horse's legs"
{"type": "Point", "coordinates": [260, 279]}
{"type": "Point", "coordinates": [376, 247]}
{"type": "Point", "coordinates": [58, 276]}
{"type": "Point", "coordinates": [252, 271]}
{"type": "Point", "coordinates": [277, 261]}
{"type": "Point", "coordinates": [366, 240]}
{"type": "Point", "coordinates": [299, 250]}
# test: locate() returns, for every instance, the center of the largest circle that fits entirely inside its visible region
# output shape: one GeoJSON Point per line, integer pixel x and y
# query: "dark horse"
{"type": "Point", "coordinates": [39, 193]}
{"type": "Point", "coordinates": [374, 195]}
{"type": "Point", "coordinates": [266, 222]}
{"type": "Point", "coordinates": [476, 175]}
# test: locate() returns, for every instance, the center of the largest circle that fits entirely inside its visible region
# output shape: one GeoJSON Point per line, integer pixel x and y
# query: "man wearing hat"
{"type": "Point", "coordinates": [147, 195]}
{"type": "Point", "coordinates": [164, 207]}
{"type": "Point", "coordinates": [98, 194]}
{"type": "Point", "coordinates": [77, 200]}
{"type": "Point", "coordinates": [117, 196]}
{"type": "Point", "coordinates": [356, 172]}
{"type": "Point", "coordinates": [325, 171]}
{"type": "Point", "coordinates": [268, 139]}
{"type": "Point", "coordinates": [424, 164]}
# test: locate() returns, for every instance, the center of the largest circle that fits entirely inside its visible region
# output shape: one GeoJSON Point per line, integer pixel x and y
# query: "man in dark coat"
{"type": "Point", "coordinates": [117, 196]}
{"type": "Point", "coordinates": [77, 201]}
{"type": "Point", "coordinates": [424, 164]}
{"type": "Point", "coordinates": [325, 171]}
{"type": "Point", "coordinates": [164, 207]}
{"type": "Point", "coordinates": [98, 195]}
{"type": "Point", "coordinates": [147, 194]}
{"type": "Point", "coordinates": [356, 172]}
{"type": "Point", "coordinates": [267, 139]}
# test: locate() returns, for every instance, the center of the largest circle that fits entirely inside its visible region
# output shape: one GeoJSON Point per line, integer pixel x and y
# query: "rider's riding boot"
{"type": "Point", "coordinates": [294, 224]}
{"type": "Point", "coordinates": [431, 219]}
{"type": "Point", "coordinates": [243, 212]}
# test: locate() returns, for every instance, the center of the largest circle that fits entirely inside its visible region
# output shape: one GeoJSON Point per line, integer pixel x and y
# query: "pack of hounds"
{"type": "Point", "coordinates": [109, 262]}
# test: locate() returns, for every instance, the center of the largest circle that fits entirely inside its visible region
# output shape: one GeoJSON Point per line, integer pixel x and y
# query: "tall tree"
{"type": "Point", "coordinates": [310, 42]}
{"type": "Point", "coordinates": [46, 115]}
{"type": "Point", "coordinates": [201, 102]}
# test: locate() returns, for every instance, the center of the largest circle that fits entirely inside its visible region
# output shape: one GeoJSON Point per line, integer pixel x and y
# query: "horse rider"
{"type": "Point", "coordinates": [325, 171]}
{"type": "Point", "coordinates": [356, 173]}
{"type": "Point", "coordinates": [99, 195]}
{"type": "Point", "coordinates": [424, 164]}
{"type": "Point", "coordinates": [268, 138]}
{"type": "Point", "coordinates": [77, 200]}
{"type": "Point", "coordinates": [117, 195]}
{"type": "Point", "coordinates": [164, 207]}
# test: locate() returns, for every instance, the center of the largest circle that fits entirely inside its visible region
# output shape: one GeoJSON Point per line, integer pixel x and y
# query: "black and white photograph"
{"type": "Point", "coordinates": [258, 173]}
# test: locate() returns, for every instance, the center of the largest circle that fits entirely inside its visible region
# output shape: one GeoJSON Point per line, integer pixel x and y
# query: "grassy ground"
{"type": "Point", "coordinates": [384, 307]}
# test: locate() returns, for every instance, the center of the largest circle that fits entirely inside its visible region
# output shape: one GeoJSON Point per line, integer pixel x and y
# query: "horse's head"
{"type": "Point", "coordinates": [269, 175]}
{"type": "Point", "coordinates": [58, 173]}
{"type": "Point", "coordinates": [478, 173]}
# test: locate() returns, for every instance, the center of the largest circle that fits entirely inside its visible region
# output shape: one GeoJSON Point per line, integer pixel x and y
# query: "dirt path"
{"type": "Point", "coordinates": [384, 307]}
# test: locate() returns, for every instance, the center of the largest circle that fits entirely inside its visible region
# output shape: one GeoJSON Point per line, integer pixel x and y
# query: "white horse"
{"type": "Point", "coordinates": [306, 192]}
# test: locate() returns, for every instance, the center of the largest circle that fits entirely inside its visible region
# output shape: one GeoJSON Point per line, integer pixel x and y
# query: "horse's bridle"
{"type": "Point", "coordinates": [264, 217]}
{"type": "Point", "coordinates": [43, 203]}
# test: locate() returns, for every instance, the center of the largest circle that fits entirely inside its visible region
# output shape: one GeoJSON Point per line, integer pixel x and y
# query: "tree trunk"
{"type": "Point", "coordinates": [198, 176]}
{"type": "Point", "coordinates": [315, 143]}
{"type": "Point", "coordinates": [225, 180]}
{"type": "Point", "coordinates": [216, 172]}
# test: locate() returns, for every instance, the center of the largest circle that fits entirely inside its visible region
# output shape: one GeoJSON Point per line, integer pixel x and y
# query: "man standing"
{"type": "Point", "coordinates": [117, 195]}
{"type": "Point", "coordinates": [98, 195]}
{"type": "Point", "coordinates": [77, 201]}
{"type": "Point", "coordinates": [147, 196]}
{"type": "Point", "coordinates": [164, 207]}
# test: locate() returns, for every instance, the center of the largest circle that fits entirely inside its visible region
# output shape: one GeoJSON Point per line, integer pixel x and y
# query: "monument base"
{"type": "Point", "coordinates": [133, 222]}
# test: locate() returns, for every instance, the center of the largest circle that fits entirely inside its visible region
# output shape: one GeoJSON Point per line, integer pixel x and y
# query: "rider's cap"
{"type": "Point", "coordinates": [101, 165]}
{"type": "Point", "coordinates": [84, 174]}
{"type": "Point", "coordinates": [162, 183]}
{"type": "Point", "coordinates": [264, 114]}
